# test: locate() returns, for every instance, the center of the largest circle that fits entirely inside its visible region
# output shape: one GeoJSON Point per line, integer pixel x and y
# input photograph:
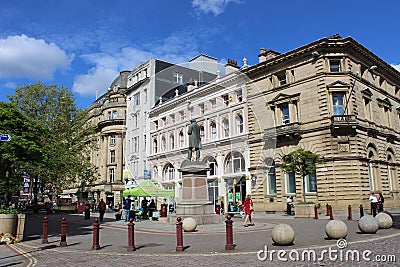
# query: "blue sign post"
{"type": "Point", "coordinates": [5, 137]}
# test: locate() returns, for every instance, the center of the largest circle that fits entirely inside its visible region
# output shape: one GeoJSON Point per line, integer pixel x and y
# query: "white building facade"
{"type": "Point", "coordinates": [220, 109]}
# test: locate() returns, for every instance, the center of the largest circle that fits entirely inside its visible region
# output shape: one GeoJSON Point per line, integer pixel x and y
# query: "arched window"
{"type": "Point", "coordinates": [271, 176]}
{"type": "Point", "coordinates": [202, 132]}
{"type": "Point", "coordinates": [239, 124]}
{"type": "Point", "coordinates": [391, 174]}
{"type": "Point", "coordinates": [235, 163]}
{"type": "Point", "coordinates": [181, 139]}
{"type": "Point", "coordinates": [371, 154]}
{"type": "Point", "coordinates": [225, 124]}
{"type": "Point", "coordinates": [169, 172]}
{"type": "Point", "coordinates": [172, 141]}
{"type": "Point", "coordinates": [290, 179]}
{"type": "Point", "coordinates": [212, 163]}
{"type": "Point", "coordinates": [213, 127]}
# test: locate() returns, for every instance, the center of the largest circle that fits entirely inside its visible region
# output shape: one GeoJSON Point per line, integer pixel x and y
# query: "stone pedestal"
{"type": "Point", "coordinates": [193, 201]}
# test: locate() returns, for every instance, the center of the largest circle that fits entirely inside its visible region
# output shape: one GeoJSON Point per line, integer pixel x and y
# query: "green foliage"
{"type": "Point", "coordinates": [23, 147]}
{"type": "Point", "coordinates": [301, 162]}
{"type": "Point", "coordinates": [5, 210]}
{"type": "Point", "coordinates": [64, 150]}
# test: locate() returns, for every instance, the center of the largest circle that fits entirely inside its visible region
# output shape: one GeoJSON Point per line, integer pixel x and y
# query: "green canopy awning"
{"type": "Point", "coordinates": [148, 189]}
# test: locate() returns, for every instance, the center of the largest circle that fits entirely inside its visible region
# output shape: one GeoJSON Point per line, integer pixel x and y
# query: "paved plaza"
{"type": "Point", "coordinates": [156, 244]}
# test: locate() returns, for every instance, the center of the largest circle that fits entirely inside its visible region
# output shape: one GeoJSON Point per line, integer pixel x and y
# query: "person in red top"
{"type": "Point", "coordinates": [248, 209]}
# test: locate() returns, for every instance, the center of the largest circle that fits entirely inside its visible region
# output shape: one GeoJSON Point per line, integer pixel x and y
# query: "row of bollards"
{"type": "Point", "coordinates": [131, 234]}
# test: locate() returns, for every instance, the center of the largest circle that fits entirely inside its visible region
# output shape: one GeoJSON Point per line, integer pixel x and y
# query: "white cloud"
{"type": "Point", "coordinates": [105, 69]}
{"type": "Point", "coordinates": [21, 56]}
{"type": "Point", "coordinates": [397, 67]}
{"type": "Point", "coordinates": [177, 48]}
{"type": "Point", "coordinates": [212, 6]}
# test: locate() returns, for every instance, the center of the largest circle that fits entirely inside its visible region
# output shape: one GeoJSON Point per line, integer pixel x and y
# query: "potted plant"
{"type": "Point", "coordinates": [12, 222]}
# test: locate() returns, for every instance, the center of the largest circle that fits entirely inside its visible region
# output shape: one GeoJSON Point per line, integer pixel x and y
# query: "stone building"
{"type": "Point", "coordinates": [332, 97]}
{"type": "Point", "coordinates": [147, 84]}
{"type": "Point", "coordinates": [108, 115]}
{"type": "Point", "coordinates": [220, 108]}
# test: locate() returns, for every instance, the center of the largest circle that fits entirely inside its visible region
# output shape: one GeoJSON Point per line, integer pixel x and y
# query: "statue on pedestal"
{"type": "Point", "coordinates": [194, 139]}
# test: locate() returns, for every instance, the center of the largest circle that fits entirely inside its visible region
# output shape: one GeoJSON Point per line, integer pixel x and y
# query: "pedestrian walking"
{"type": "Point", "coordinates": [248, 209]}
{"type": "Point", "coordinates": [102, 209]}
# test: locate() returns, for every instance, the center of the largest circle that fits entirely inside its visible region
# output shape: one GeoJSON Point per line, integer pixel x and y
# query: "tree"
{"type": "Point", "coordinates": [65, 148]}
{"type": "Point", "coordinates": [23, 147]}
{"type": "Point", "coordinates": [301, 162]}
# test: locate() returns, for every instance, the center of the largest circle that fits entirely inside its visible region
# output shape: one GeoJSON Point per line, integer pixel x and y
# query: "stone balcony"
{"type": "Point", "coordinates": [284, 132]}
{"type": "Point", "coordinates": [343, 125]}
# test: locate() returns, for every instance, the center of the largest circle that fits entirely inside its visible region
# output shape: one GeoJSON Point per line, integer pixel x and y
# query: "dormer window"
{"type": "Point", "coordinates": [334, 65]}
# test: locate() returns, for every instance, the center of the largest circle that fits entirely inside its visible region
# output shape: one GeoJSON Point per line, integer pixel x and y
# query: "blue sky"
{"type": "Point", "coordinates": [84, 44]}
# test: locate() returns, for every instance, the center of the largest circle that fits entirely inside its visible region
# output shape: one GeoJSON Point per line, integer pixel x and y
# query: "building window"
{"type": "Point", "coordinates": [334, 65]}
{"type": "Point", "coordinates": [181, 115]}
{"type": "Point", "coordinates": [109, 115]}
{"type": "Point", "coordinates": [390, 172]}
{"type": "Point", "coordinates": [178, 77]}
{"type": "Point", "coordinates": [239, 124]}
{"type": "Point", "coordinates": [235, 163]}
{"type": "Point", "coordinates": [225, 98]}
{"type": "Point", "coordinates": [136, 99]}
{"type": "Point", "coordinates": [213, 103]}
{"type": "Point", "coordinates": [371, 171]}
{"type": "Point", "coordinates": [310, 182]}
{"type": "Point", "coordinates": [201, 132]}
{"type": "Point", "coordinates": [213, 127]}
{"type": "Point", "coordinates": [164, 121]}
{"type": "Point", "coordinates": [112, 139]}
{"type": "Point", "coordinates": [155, 146]}
{"type": "Point", "coordinates": [135, 120]}
{"type": "Point", "coordinates": [191, 110]}
{"type": "Point", "coordinates": [239, 95]}
{"type": "Point", "coordinates": [136, 144]}
{"type": "Point", "coordinates": [368, 109]}
{"type": "Point", "coordinates": [338, 103]}
{"type": "Point", "coordinates": [271, 180]}
{"type": "Point", "coordinates": [290, 182]}
{"type": "Point", "coordinates": [145, 96]}
{"type": "Point", "coordinates": [172, 116]}
{"type": "Point", "coordinates": [169, 172]}
{"type": "Point", "coordinates": [163, 144]}
{"type": "Point", "coordinates": [112, 176]}
{"type": "Point", "coordinates": [156, 125]}
{"type": "Point", "coordinates": [172, 141]}
{"type": "Point", "coordinates": [225, 124]}
{"type": "Point", "coordinates": [285, 114]}
{"type": "Point", "coordinates": [212, 163]}
{"type": "Point", "coordinates": [282, 79]}
{"type": "Point", "coordinates": [181, 139]}
{"type": "Point", "coordinates": [202, 110]}
{"type": "Point", "coordinates": [112, 156]}
{"type": "Point", "coordinates": [115, 115]}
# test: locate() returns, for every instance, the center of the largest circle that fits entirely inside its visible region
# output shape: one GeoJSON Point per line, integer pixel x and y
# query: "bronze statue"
{"type": "Point", "coordinates": [194, 139]}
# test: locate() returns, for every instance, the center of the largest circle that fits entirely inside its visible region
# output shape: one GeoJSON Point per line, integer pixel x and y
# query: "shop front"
{"type": "Point", "coordinates": [236, 193]}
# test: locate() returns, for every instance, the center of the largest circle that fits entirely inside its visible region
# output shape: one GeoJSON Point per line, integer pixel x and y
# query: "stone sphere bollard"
{"type": "Point", "coordinates": [368, 224]}
{"type": "Point", "coordinates": [189, 224]}
{"type": "Point", "coordinates": [384, 220]}
{"type": "Point", "coordinates": [336, 229]}
{"type": "Point", "coordinates": [283, 234]}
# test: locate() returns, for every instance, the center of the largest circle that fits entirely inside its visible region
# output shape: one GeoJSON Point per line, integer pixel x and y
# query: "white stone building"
{"type": "Point", "coordinates": [220, 109]}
